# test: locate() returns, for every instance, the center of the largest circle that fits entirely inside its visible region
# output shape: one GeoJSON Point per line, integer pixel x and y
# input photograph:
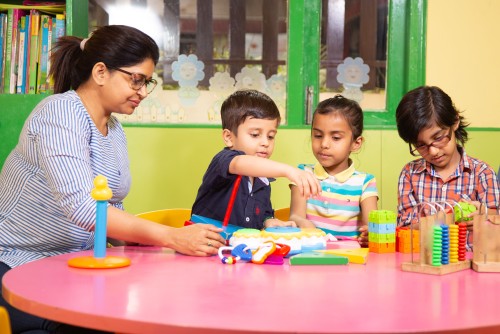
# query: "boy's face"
{"type": "Point", "coordinates": [255, 137]}
{"type": "Point", "coordinates": [438, 146]}
{"type": "Point", "coordinates": [332, 142]}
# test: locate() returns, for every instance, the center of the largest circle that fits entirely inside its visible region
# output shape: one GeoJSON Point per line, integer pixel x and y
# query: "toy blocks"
{"type": "Point", "coordinates": [382, 231]}
{"type": "Point", "coordinates": [404, 240]}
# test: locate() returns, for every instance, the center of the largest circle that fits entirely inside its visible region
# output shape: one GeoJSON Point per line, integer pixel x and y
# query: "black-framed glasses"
{"type": "Point", "coordinates": [138, 80]}
{"type": "Point", "coordinates": [439, 142]}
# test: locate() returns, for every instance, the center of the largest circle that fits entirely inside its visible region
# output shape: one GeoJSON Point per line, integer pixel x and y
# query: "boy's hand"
{"type": "Point", "coordinates": [306, 182]}
{"type": "Point", "coordinates": [272, 222]}
{"type": "Point", "coordinates": [363, 236]}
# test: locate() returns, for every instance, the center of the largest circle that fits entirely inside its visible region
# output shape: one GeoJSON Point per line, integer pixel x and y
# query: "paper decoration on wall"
{"type": "Point", "coordinates": [353, 74]}
{"type": "Point", "coordinates": [221, 85]}
{"type": "Point", "coordinates": [250, 78]}
{"type": "Point", "coordinates": [188, 71]}
{"type": "Point", "coordinates": [276, 89]}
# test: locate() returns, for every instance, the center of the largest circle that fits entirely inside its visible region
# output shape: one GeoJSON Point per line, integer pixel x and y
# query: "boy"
{"type": "Point", "coordinates": [250, 121]}
{"type": "Point", "coordinates": [428, 120]}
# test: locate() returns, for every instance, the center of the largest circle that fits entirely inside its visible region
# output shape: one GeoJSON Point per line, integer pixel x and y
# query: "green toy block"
{"type": "Point", "coordinates": [467, 209]}
{"type": "Point", "coordinates": [382, 216]}
{"type": "Point", "coordinates": [314, 258]}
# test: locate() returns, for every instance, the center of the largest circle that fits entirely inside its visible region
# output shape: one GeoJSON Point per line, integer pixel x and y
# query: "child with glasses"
{"type": "Point", "coordinates": [435, 131]}
{"type": "Point", "coordinates": [347, 195]}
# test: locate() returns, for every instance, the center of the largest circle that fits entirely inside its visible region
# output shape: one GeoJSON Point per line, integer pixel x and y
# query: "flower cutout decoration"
{"type": "Point", "coordinates": [250, 78]}
{"type": "Point", "coordinates": [188, 70]}
{"type": "Point", "coordinates": [221, 84]}
{"type": "Point", "coordinates": [353, 72]}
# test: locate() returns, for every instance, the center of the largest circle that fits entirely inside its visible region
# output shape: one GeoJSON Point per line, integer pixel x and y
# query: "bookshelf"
{"type": "Point", "coordinates": [15, 108]}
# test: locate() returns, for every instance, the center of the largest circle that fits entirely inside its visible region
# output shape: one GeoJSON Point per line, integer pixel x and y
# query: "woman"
{"type": "Point", "coordinates": [71, 137]}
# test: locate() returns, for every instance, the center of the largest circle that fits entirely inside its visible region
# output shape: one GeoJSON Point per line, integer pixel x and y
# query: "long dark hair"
{"type": "Point", "coordinates": [115, 45]}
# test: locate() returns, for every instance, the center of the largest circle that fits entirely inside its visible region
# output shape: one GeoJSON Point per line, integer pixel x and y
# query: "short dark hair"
{"type": "Point", "coordinates": [243, 104]}
{"type": "Point", "coordinates": [114, 45]}
{"type": "Point", "coordinates": [424, 106]}
{"type": "Point", "coordinates": [347, 108]}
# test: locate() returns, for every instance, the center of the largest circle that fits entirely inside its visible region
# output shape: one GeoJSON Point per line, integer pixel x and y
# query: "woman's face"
{"type": "Point", "coordinates": [118, 96]}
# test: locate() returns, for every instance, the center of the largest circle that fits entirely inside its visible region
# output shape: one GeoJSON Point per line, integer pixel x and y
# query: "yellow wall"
{"type": "Point", "coordinates": [168, 164]}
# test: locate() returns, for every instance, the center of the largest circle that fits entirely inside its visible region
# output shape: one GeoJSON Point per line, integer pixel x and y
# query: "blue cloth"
{"type": "Point", "coordinates": [45, 203]}
{"type": "Point", "coordinates": [251, 207]}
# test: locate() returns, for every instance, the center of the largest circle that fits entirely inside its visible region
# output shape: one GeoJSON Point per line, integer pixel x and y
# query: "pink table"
{"type": "Point", "coordinates": [166, 292]}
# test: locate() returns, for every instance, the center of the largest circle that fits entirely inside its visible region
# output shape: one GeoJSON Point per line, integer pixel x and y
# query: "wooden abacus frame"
{"type": "Point", "coordinates": [423, 264]}
{"type": "Point", "coordinates": [486, 256]}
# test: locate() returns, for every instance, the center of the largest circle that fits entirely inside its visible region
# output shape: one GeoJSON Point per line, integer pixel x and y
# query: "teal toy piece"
{"type": "Point", "coordinates": [463, 210]}
{"type": "Point", "coordinates": [317, 258]}
{"type": "Point", "coordinates": [230, 229]}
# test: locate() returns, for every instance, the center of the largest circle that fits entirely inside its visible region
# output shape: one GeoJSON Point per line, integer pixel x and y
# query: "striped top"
{"type": "Point", "coordinates": [45, 184]}
{"type": "Point", "coordinates": [419, 182]}
{"type": "Point", "coordinates": [338, 207]}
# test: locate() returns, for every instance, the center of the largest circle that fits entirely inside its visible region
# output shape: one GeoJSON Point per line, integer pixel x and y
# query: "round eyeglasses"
{"type": "Point", "coordinates": [439, 142]}
{"type": "Point", "coordinates": [138, 80]}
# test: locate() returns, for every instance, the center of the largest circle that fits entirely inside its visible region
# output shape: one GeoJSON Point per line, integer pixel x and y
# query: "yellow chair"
{"type": "Point", "coordinates": [282, 214]}
{"type": "Point", "coordinates": [170, 217]}
{"type": "Point", "coordinates": [4, 321]}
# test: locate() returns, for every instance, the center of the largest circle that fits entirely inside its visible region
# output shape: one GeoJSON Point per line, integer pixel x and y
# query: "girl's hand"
{"type": "Point", "coordinates": [363, 236]}
{"type": "Point", "coordinates": [197, 239]}
{"type": "Point", "coordinates": [272, 222]}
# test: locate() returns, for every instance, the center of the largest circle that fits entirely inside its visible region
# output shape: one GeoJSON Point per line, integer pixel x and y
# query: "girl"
{"type": "Point", "coordinates": [348, 195]}
{"type": "Point", "coordinates": [435, 131]}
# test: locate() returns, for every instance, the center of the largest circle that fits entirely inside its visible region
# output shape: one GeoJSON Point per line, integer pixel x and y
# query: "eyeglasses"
{"type": "Point", "coordinates": [138, 80]}
{"type": "Point", "coordinates": [439, 142]}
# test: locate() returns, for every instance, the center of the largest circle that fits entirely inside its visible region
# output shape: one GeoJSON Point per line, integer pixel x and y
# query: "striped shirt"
{"type": "Point", "coordinates": [419, 182]}
{"type": "Point", "coordinates": [338, 207]}
{"type": "Point", "coordinates": [45, 184]}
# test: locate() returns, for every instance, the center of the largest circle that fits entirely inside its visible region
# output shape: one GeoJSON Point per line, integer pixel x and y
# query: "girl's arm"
{"type": "Point", "coordinates": [367, 205]}
{"type": "Point", "coordinates": [298, 206]}
{"type": "Point", "coordinates": [189, 240]}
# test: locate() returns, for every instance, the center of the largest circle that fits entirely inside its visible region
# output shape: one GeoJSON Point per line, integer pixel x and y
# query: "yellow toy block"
{"type": "Point", "coordinates": [354, 255]}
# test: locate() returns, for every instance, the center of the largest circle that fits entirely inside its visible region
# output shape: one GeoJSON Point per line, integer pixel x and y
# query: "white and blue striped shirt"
{"type": "Point", "coordinates": [45, 184]}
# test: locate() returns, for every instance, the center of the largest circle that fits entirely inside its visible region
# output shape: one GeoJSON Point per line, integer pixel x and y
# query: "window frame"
{"type": "Point", "coordinates": [405, 59]}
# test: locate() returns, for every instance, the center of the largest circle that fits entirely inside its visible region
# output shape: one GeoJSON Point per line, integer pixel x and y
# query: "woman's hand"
{"type": "Point", "coordinates": [197, 239]}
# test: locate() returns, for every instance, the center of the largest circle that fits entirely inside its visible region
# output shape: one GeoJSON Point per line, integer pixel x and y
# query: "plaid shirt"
{"type": "Point", "coordinates": [419, 182]}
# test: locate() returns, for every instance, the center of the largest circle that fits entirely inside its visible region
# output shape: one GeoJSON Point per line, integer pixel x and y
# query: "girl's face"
{"type": "Point", "coordinates": [119, 96]}
{"type": "Point", "coordinates": [438, 146]}
{"type": "Point", "coordinates": [332, 142]}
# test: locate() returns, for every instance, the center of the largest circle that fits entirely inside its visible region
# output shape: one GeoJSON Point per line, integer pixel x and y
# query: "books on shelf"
{"type": "Point", "coordinates": [27, 34]}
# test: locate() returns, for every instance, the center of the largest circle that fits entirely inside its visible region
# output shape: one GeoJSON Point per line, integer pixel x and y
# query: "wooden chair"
{"type": "Point", "coordinates": [282, 214]}
{"type": "Point", "coordinates": [170, 217]}
{"type": "Point", "coordinates": [4, 321]}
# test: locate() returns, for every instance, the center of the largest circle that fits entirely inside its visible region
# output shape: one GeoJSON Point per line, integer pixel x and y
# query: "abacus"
{"type": "Point", "coordinates": [486, 237]}
{"type": "Point", "coordinates": [442, 241]}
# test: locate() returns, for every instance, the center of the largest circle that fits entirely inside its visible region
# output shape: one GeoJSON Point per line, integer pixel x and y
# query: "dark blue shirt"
{"type": "Point", "coordinates": [250, 209]}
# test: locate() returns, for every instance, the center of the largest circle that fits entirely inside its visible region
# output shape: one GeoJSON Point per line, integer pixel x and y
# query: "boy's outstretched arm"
{"type": "Point", "coordinates": [298, 208]}
{"type": "Point", "coordinates": [249, 165]}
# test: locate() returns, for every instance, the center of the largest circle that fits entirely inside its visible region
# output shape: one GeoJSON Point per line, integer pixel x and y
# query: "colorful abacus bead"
{"type": "Point", "coordinates": [436, 246]}
{"type": "Point", "coordinates": [229, 260]}
{"type": "Point", "coordinates": [462, 239]}
{"type": "Point", "coordinates": [453, 243]}
{"type": "Point", "coordinates": [445, 244]}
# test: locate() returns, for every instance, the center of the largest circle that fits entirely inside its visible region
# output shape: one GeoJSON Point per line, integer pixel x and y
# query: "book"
{"type": "Point", "coordinates": [10, 70]}
{"type": "Point", "coordinates": [46, 27]}
{"type": "Point", "coordinates": [33, 51]}
{"type": "Point", "coordinates": [60, 29]}
{"type": "Point", "coordinates": [23, 54]}
{"type": "Point", "coordinates": [3, 33]}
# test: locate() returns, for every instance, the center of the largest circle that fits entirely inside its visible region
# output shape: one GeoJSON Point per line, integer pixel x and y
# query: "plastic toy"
{"type": "Point", "coordinates": [317, 258]}
{"type": "Point", "coordinates": [405, 240]}
{"type": "Point", "coordinates": [261, 254]}
{"type": "Point", "coordinates": [358, 255]}
{"type": "Point", "coordinates": [101, 193]}
{"type": "Point", "coordinates": [382, 231]}
{"type": "Point", "coordinates": [463, 210]}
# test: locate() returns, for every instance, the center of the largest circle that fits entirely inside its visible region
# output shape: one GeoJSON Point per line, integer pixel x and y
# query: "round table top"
{"type": "Point", "coordinates": [163, 291]}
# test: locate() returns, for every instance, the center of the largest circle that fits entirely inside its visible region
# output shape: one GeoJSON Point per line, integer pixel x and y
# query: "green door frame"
{"type": "Point", "coordinates": [405, 63]}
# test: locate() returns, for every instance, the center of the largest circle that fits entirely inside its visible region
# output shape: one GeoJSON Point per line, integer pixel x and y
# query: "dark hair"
{"type": "Point", "coordinates": [424, 106]}
{"type": "Point", "coordinates": [114, 45]}
{"type": "Point", "coordinates": [348, 109]}
{"type": "Point", "coordinates": [247, 103]}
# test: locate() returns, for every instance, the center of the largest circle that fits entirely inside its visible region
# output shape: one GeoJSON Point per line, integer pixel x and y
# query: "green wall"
{"type": "Point", "coordinates": [168, 163]}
